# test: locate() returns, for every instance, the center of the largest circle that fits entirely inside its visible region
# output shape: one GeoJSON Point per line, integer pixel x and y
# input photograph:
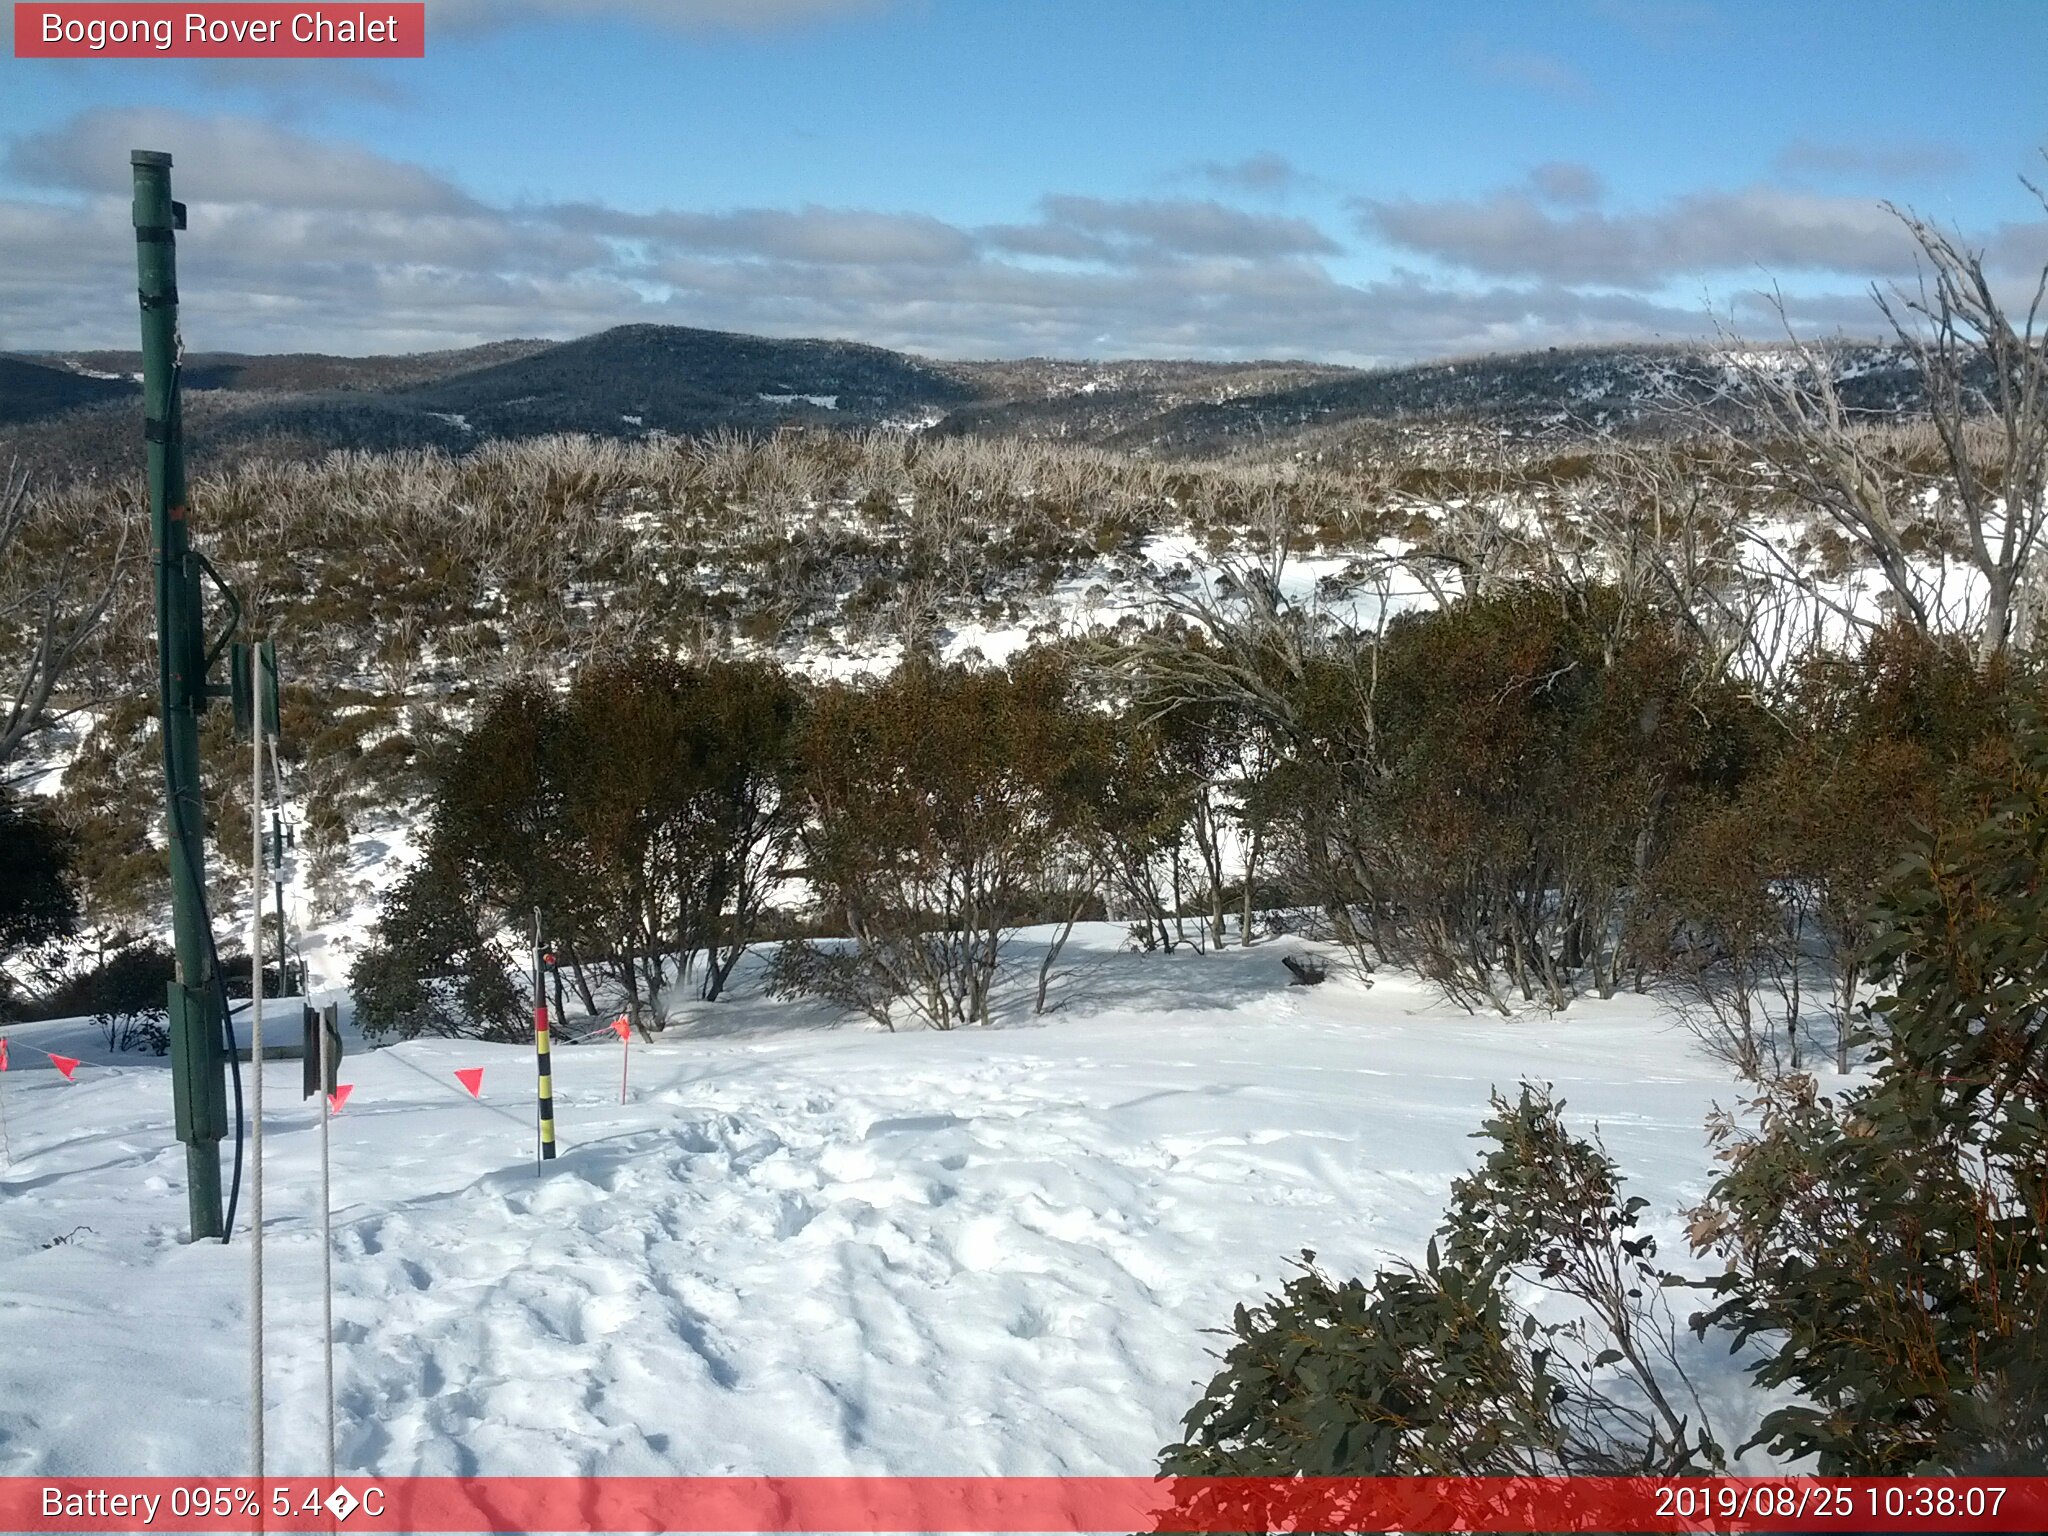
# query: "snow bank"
{"type": "Point", "coordinates": [799, 1248]}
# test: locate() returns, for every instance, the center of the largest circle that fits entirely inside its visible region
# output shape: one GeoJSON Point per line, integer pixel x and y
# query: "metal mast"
{"type": "Point", "coordinates": [198, 1082]}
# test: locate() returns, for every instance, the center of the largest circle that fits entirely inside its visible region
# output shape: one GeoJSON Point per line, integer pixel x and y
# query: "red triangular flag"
{"type": "Point", "coordinates": [340, 1096]}
{"type": "Point", "coordinates": [65, 1064]}
{"type": "Point", "coordinates": [622, 1027]}
{"type": "Point", "coordinates": [3, 1053]}
{"type": "Point", "coordinates": [471, 1078]}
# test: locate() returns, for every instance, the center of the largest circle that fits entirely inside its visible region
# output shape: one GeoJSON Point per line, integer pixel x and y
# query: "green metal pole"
{"type": "Point", "coordinates": [198, 1083]}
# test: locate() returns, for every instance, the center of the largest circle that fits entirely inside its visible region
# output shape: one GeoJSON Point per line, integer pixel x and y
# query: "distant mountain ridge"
{"type": "Point", "coordinates": [32, 388]}
{"type": "Point", "coordinates": [78, 411]}
{"type": "Point", "coordinates": [293, 372]}
{"type": "Point", "coordinates": [671, 379]}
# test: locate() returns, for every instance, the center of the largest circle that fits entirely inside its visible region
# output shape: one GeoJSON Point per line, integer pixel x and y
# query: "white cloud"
{"type": "Point", "coordinates": [1566, 183]}
{"type": "Point", "coordinates": [1757, 229]}
{"type": "Point", "coordinates": [1887, 162]}
{"type": "Point", "coordinates": [1262, 174]}
{"type": "Point", "coordinates": [228, 160]}
{"type": "Point", "coordinates": [301, 244]}
{"type": "Point", "coordinates": [1102, 229]}
{"type": "Point", "coordinates": [809, 234]}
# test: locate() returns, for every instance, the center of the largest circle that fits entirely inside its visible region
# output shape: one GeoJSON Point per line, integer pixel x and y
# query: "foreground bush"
{"type": "Point", "coordinates": [1892, 1243]}
{"type": "Point", "coordinates": [1437, 1372]}
{"type": "Point", "coordinates": [1887, 1249]}
{"type": "Point", "coordinates": [125, 995]}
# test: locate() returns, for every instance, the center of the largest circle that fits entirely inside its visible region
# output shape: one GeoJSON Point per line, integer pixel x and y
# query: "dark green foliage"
{"type": "Point", "coordinates": [934, 803]}
{"type": "Point", "coordinates": [1891, 1246]}
{"type": "Point", "coordinates": [1134, 801]}
{"type": "Point", "coordinates": [1774, 870]}
{"type": "Point", "coordinates": [1479, 793]}
{"type": "Point", "coordinates": [37, 902]}
{"type": "Point", "coordinates": [835, 972]}
{"type": "Point", "coordinates": [680, 379]}
{"type": "Point", "coordinates": [644, 813]}
{"type": "Point", "coordinates": [1546, 1206]}
{"type": "Point", "coordinates": [1436, 1372]}
{"type": "Point", "coordinates": [124, 994]}
{"type": "Point", "coordinates": [1417, 1372]}
{"type": "Point", "coordinates": [128, 994]}
{"type": "Point", "coordinates": [234, 969]}
{"type": "Point", "coordinates": [29, 390]}
{"type": "Point", "coordinates": [432, 967]}
{"type": "Point", "coordinates": [688, 767]}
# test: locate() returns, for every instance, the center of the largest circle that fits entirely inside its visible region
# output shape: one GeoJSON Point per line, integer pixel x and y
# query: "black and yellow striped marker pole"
{"type": "Point", "coordinates": [544, 1114]}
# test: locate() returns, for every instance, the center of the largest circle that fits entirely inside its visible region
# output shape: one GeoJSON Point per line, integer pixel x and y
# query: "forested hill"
{"type": "Point", "coordinates": [72, 413]}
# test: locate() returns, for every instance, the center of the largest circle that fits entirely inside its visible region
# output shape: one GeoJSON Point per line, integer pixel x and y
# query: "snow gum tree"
{"type": "Point", "coordinates": [645, 813]}
{"type": "Point", "coordinates": [933, 812]}
{"type": "Point", "coordinates": [1477, 792]}
{"type": "Point", "coordinates": [1754, 916]}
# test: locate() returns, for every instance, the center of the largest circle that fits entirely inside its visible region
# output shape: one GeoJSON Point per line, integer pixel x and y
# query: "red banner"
{"type": "Point", "coordinates": [1007, 1504]}
{"type": "Point", "coordinates": [220, 31]}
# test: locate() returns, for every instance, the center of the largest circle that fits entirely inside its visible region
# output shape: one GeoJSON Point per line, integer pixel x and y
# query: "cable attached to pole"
{"type": "Point", "coordinates": [327, 1075]}
{"type": "Point", "coordinates": [227, 1024]}
{"type": "Point", "coordinates": [185, 834]}
{"type": "Point", "coordinates": [256, 1071]}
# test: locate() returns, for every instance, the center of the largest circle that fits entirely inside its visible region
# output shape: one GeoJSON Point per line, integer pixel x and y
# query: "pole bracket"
{"type": "Point", "coordinates": [199, 1106]}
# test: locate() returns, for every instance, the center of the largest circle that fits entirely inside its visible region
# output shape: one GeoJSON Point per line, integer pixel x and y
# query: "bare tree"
{"type": "Point", "coordinates": [46, 615]}
{"type": "Point", "coordinates": [1662, 527]}
{"type": "Point", "coordinates": [1994, 430]}
{"type": "Point", "coordinates": [1983, 377]}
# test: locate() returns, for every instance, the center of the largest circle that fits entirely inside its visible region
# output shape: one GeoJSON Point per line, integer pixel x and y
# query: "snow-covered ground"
{"type": "Point", "coordinates": [801, 1247]}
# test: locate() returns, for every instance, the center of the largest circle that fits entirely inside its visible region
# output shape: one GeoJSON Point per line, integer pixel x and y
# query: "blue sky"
{"type": "Point", "coordinates": [1365, 182]}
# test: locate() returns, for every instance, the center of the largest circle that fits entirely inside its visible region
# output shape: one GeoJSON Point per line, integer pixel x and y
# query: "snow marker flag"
{"type": "Point", "coordinates": [621, 1027]}
{"type": "Point", "coordinates": [340, 1096]}
{"type": "Point", "coordinates": [3, 1053]}
{"type": "Point", "coordinates": [471, 1078]}
{"type": "Point", "coordinates": [65, 1064]}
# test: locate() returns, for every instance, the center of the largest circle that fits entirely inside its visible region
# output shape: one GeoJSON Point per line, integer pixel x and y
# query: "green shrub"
{"type": "Point", "coordinates": [1435, 1371]}
{"type": "Point", "coordinates": [1891, 1245]}
{"type": "Point", "coordinates": [37, 902]}
{"type": "Point", "coordinates": [129, 994]}
{"type": "Point", "coordinates": [432, 967]}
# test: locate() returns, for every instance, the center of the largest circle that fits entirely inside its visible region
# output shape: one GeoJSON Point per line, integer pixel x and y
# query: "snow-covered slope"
{"type": "Point", "coordinates": [799, 1247]}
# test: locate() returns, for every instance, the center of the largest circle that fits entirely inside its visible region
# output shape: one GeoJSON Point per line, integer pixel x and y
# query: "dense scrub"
{"type": "Point", "coordinates": [1526, 797]}
{"type": "Point", "coordinates": [1441, 1370]}
{"type": "Point", "coordinates": [1884, 1249]}
{"type": "Point", "coordinates": [404, 588]}
{"type": "Point", "coordinates": [645, 812]}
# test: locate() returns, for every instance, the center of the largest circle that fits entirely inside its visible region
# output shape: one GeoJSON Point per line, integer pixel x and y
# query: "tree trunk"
{"type": "Point", "coordinates": [1052, 952]}
{"type": "Point", "coordinates": [1251, 875]}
